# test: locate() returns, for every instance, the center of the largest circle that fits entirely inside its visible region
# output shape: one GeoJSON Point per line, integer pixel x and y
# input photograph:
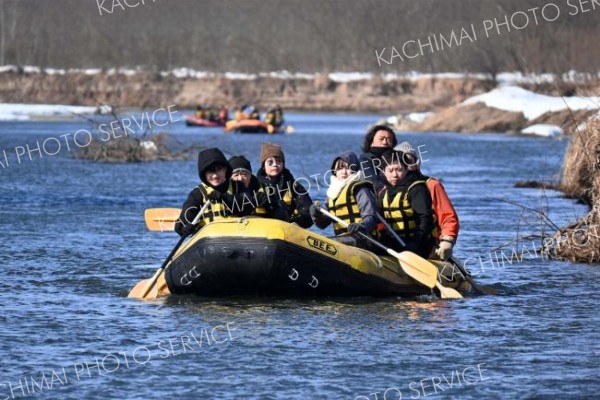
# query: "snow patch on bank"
{"type": "Point", "coordinates": [24, 112]}
{"type": "Point", "coordinates": [503, 79]}
{"type": "Point", "coordinates": [532, 105]}
{"type": "Point", "coordinates": [545, 130]}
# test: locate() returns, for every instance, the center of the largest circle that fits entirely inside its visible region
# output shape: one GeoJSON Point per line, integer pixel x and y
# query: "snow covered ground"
{"type": "Point", "coordinates": [545, 130]}
{"type": "Point", "coordinates": [504, 78]}
{"type": "Point", "coordinates": [23, 112]}
{"type": "Point", "coordinates": [532, 105]}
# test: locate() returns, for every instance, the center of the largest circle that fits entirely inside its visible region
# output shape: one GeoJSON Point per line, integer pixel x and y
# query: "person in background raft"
{"type": "Point", "coordinates": [351, 198]}
{"type": "Point", "coordinates": [445, 216]}
{"type": "Point", "coordinates": [274, 116]}
{"type": "Point", "coordinates": [288, 199]}
{"type": "Point", "coordinates": [199, 112]}
{"type": "Point", "coordinates": [378, 140]}
{"type": "Point", "coordinates": [406, 206]}
{"type": "Point", "coordinates": [226, 196]}
{"type": "Point", "coordinates": [223, 115]}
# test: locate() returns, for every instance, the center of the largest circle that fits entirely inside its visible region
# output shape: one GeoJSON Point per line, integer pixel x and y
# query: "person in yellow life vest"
{"type": "Point", "coordinates": [288, 200]}
{"type": "Point", "coordinates": [199, 112]}
{"type": "Point", "coordinates": [242, 172]}
{"type": "Point", "coordinates": [351, 198]}
{"type": "Point", "coordinates": [405, 204]}
{"type": "Point", "coordinates": [225, 195]}
{"type": "Point", "coordinates": [274, 116]}
{"type": "Point", "coordinates": [446, 218]}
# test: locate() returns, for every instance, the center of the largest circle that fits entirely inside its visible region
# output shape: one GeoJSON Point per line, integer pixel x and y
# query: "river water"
{"type": "Point", "coordinates": [74, 243]}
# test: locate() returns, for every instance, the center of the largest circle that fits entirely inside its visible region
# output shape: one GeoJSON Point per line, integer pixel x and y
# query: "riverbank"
{"type": "Point", "coordinates": [326, 91]}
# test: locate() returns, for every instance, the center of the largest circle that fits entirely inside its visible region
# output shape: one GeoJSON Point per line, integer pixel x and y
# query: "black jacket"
{"type": "Point", "coordinates": [372, 166]}
{"type": "Point", "coordinates": [275, 190]}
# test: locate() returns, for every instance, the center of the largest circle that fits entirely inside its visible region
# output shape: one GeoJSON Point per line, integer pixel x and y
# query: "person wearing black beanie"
{"type": "Point", "coordinates": [216, 186]}
{"type": "Point", "coordinates": [242, 170]}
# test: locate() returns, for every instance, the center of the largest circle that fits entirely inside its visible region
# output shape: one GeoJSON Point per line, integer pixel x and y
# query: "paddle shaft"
{"type": "Point", "coordinates": [168, 259]}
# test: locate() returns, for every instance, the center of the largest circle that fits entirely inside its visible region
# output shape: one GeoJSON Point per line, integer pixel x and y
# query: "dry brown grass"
{"type": "Point", "coordinates": [133, 149]}
{"type": "Point", "coordinates": [582, 164]}
{"type": "Point", "coordinates": [580, 242]}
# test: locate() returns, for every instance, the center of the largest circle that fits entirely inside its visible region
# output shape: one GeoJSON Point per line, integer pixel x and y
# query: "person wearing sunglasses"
{"type": "Point", "coordinates": [288, 200]}
{"type": "Point", "coordinates": [226, 195]}
{"type": "Point", "coordinates": [351, 198]}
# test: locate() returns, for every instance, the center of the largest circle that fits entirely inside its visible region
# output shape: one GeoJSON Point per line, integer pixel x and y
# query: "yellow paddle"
{"type": "Point", "coordinates": [413, 265]}
{"type": "Point", "coordinates": [142, 290]}
{"type": "Point", "coordinates": [161, 219]}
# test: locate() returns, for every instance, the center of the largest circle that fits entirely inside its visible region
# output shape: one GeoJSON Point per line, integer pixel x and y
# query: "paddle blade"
{"type": "Point", "coordinates": [417, 267]}
{"type": "Point", "coordinates": [161, 219]}
{"type": "Point", "coordinates": [138, 290]}
{"type": "Point", "coordinates": [448, 293]}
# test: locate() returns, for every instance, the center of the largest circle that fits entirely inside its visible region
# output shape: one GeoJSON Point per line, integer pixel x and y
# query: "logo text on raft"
{"type": "Point", "coordinates": [321, 245]}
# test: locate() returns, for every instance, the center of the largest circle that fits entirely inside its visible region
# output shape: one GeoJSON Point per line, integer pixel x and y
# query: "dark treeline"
{"type": "Point", "coordinates": [296, 35]}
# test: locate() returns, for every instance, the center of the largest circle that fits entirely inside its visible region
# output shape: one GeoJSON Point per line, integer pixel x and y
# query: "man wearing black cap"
{"type": "Point", "coordinates": [225, 194]}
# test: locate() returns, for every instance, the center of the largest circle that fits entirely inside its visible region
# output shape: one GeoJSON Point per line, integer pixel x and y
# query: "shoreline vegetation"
{"type": "Point", "coordinates": [580, 241]}
{"type": "Point", "coordinates": [449, 102]}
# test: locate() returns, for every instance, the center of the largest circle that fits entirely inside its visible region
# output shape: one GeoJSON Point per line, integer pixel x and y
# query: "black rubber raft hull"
{"type": "Point", "coordinates": [228, 265]}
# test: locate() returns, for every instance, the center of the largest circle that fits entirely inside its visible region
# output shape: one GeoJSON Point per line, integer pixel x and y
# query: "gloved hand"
{"type": "Point", "coordinates": [190, 229]}
{"type": "Point", "coordinates": [411, 246]}
{"type": "Point", "coordinates": [314, 212]}
{"type": "Point", "coordinates": [262, 200]}
{"type": "Point", "coordinates": [444, 250]}
{"type": "Point", "coordinates": [215, 196]}
{"type": "Point", "coordinates": [355, 228]}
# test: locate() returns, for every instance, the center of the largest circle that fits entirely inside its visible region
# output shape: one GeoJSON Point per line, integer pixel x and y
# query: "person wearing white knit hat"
{"type": "Point", "coordinates": [446, 217]}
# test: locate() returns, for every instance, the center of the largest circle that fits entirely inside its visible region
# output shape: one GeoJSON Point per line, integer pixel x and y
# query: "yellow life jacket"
{"type": "Point", "coordinates": [399, 213]}
{"type": "Point", "coordinates": [216, 211]}
{"type": "Point", "coordinates": [345, 206]}
{"type": "Point", "coordinates": [270, 118]}
{"type": "Point", "coordinates": [287, 199]}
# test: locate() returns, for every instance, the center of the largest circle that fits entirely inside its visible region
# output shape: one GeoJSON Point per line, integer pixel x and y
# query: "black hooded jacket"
{"type": "Point", "coordinates": [236, 202]}
{"type": "Point", "coordinates": [275, 190]}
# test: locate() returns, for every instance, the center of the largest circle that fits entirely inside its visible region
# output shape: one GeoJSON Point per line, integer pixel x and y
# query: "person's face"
{"type": "Point", "coordinates": [215, 174]}
{"type": "Point", "coordinates": [383, 139]}
{"type": "Point", "coordinates": [273, 166]}
{"type": "Point", "coordinates": [242, 176]}
{"type": "Point", "coordinates": [394, 173]}
{"type": "Point", "coordinates": [342, 170]}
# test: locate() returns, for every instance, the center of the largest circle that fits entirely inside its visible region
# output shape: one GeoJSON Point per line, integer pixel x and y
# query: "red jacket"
{"type": "Point", "coordinates": [446, 216]}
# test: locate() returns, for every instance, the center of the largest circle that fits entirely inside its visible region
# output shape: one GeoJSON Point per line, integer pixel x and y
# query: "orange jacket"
{"type": "Point", "coordinates": [446, 216]}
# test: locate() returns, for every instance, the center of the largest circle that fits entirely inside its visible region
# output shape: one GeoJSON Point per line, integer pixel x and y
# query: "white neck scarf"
{"type": "Point", "coordinates": [337, 185]}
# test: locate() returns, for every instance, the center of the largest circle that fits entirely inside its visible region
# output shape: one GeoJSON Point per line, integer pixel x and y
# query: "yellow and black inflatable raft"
{"type": "Point", "coordinates": [265, 256]}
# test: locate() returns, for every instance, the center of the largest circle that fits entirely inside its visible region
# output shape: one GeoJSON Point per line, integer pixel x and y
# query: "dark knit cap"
{"type": "Point", "coordinates": [211, 156]}
{"type": "Point", "coordinates": [350, 157]}
{"type": "Point", "coordinates": [269, 150]}
{"type": "Point", "coordinates": [393, 157]}
{"type": "Point", "coordinates": [240, 162]}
